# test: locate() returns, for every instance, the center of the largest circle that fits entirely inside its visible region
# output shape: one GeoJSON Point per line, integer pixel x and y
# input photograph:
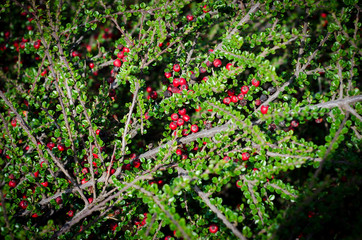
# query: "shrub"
{"type": "Point", "coordinates": [170, 119]}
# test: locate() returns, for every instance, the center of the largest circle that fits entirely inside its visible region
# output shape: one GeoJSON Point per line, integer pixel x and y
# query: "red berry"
{"type": "Point", "coordinates": [23, 204]}
{"type": "Point", "coordinates": [98, 131]}
{"type": "Point", "coordinates": [183, 81]}
{"type": "Point", "coordinates": [182, 111]}
{"type": "Point", "coordinates": [51, 145]}
{"type": "Point", "coordinates": [205, 9]}
{"type": "Point", "coordinates": [90, 200]}
{"type": "Point", "coordinates": [185, 132]}
{"type": "Point", "coordinates": [217, 63]}
{"type": "Point", "coordinates": [244, 89]}
{"type": "Point", "coordinates": [13, 122]}
{"type": "Point", "coordinates": [294, 123]}
{"type": "Point", "coordinates": [176, 67]}
{"type": "Point", "coordinates": [174, 116]}
{"type": "Point", "coordinates": [59, 200]}
{"type": "Point", "coordinates": [241, 96]}
{"type": "Point", "coordinates": [120, 55]}
{"type": "Point", "coordinates": [257, 102]}
{"type": "Point", "coordinates": [147, 116]}
{"type": "Point", "coordinates": [190, 17]}
{"type": "Point", "coordinates": [234, 99]}
{"type": "Point", "coordinates": [228, 66]}
{"type": "Point", "coordinates": [226, 159]}
{"type": "Point", "coordinates": [44, 73]}
{"type": "Point", "coordinates": [205, 79]}
{"type": "Point", "coordinates": [114, 226]}
{"type": "Point", "coordinates": [125, 49]}
{"type": "Point", "coordinates": [264, 109]}
{"type": "Point", "coordinates": [319, 120]}
{"type": "Point", "coordinates": [186, 118]}
{"type": "Point", "coordinates": [91, 65]}
{"type": "Point", "coordinates": [36, 44]}
{"type": "Point", "coordinates": [36, 174]}
{"type": "Point", "coordinates": [85, 170]}
{"type": "Point", "coordinates": [149, 89]}
{"type": "Point", "coordinates": [84, 180]}
{"type": "Point", "coordinates": [255, 82]}
{"type": "Point", "coordinates": [61, 147]}
{"type": "Point", "coordinates": [45, 184]}
{"type": "Point", "coordinates": [168, 75]}
{"type": "Point", "coordinates": [75, 54]}
{"type": "Point", "coordinates": [194, 128]}
{"type": "Point", "coordinates": [179, 152]}
{"type": "Point", "coordinates": [226, 100]}
{"type": "Point", "coordinates": [70, 213]}
{"type": "Point", "coordinates": [245, 156]}
{"type": "Point", "coordinates": [231, 92]}
{"type": "Point", "coordinates": [12, 183]}
{"type": "Point", "coordinates": [34, 215]}
{"type": "Point", "coordinates": [198, 109]}
{"type": "Point", "coordinates": [173, 126]}
{"type": "Point", "coordinates": [323, 15]}
{"type": "Point", "coordinates": [153, 95]}
{"type": "Point", "coordinates": [136, 163]}
{"type": "Point", "coordinates": [117, 63]}
{"type": "Point", "coordinates": [180, 122]}
{"type": "Point", "coordinates": [176, 82]}
{"type": "Point", "coordinates": [213, 228]}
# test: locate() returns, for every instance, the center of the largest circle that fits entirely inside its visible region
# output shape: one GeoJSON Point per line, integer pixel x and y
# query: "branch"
{"type": "Point", "coordinates": [281, 189]}
{"type": "Point", "coordinates": [218, 213]}
{"type": "Point", "coordinates": [158, 202]}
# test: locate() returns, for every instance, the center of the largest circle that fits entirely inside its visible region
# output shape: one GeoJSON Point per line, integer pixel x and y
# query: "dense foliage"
{"type": "Point", "coordinates": [172, 119]}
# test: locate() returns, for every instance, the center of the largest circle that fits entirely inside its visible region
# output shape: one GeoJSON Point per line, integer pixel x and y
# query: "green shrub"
{"type": "Point", "coordinates": [180, 119]}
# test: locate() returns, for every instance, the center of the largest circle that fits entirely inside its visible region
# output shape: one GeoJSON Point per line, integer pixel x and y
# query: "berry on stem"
{"type": "Point", "coordinates": [182, 111]}
{"type": "Point", "coordinates": [190, 18]}
{"type": "Point", "coordinates": [180, 122]}
{"type": "Point", "coordinates": [186, 118]}
{"type": "Point", "coordinates": [226, 100]}
{"type": "Point", "coordinates": [245, 156]}
{"type": "Point", "coordinates": [23, 204]}
{"type": "Point", "coordinates": [61, 147]}
{"type": "Point", "coordinates": [217, 63]}
{"type": "Point", "coordinates": [45, 184]}
{"type": "Point", "coordinates": [264, 109]}
{"type": "Point", "coordinates": [194, 128]}
{"type": "Point", "coordinates": [13, 122]}
{"type": "Point", "coordinates": [70, 213]}
{"type": "Point", "coordinates": [255, 82]}
{"type": "Point", "coordinates": [12, 183]}
{"type": "Point", "coordinates": [244, 89]}
{"type": "Point", "coordinates": [213, 228]}
{"type": "Point", "coordinates": [176, 67]}
{"type": "Point", "coordinates": [173, 126]}
{"type": "Point", "coordinates": [228, 66]}
{"type": "Point", "coordinates": [168, 75]}
{"type": "Point", "coordinates": [174, 116]}
{"type": "Point", "coordinates": [117, 63]}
